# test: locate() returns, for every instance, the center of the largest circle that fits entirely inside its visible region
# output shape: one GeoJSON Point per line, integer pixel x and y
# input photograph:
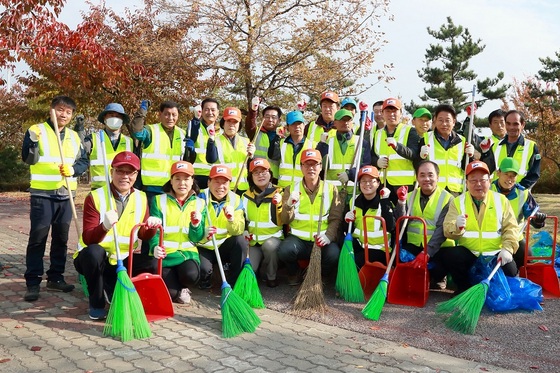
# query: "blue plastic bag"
{"type": "Point", "coordinates": [506, 293]}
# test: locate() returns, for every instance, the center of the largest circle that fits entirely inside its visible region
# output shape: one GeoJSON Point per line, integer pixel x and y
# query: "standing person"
{"type": "Point", "coordinates": [301, 208]}
{"type": "Point", "coordinates": [96, 257]}
{"type": "Point", "coordinates": [162, 146]}
{"type": "Point", "coordinates": [267, 135]}
{"type": "Point", "coordinates": [183, 216]}
{"type": "Point", "coordinates": [482, 222]}
{"type": "Point", "coordinates": [377, 118]}
{"type": "Point", "coordinates": [448, 149]}
{"type": "Point", "coordinates": [394, 148]}
{"type": "Point", "coordinates": [422, 121]}
{"type": "Point", "coordinates": [228, 223]}
{"type": "Point", "coordinates": [113, 117]}
{"type": "Point", "coordinates": [515, 145]}
{"type": "Point", "coordinates": [349, 104]}
{"type": "Point", "coordinates": [325, 121]}
{"type": "Point", "coordinates": [263, 206]}
{"type": "Point", "coordinates": [50, 199]}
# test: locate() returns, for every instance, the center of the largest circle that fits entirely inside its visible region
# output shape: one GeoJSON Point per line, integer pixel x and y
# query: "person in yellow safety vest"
{"type": "Point", "coordinates": [287, 152]}
{"type": "Point", "coordinates": [228, 223]}
{"type": "Point", "coordinates": [370, 202]}
{"type": "Point", "coordinates": [263, 205]}
{"type": "Point", "coordinates": [50, 199]}
{"type": "Point", "coordinates": [483, 223]}
{"type": "Point", "coordinates": [162, 145]}
{"type": "Point", "coordinates": [183, 216]}
{"type": "Point", "coordinates": [394, 148]}
{"type": "Point", "coordinates": [301, 210]}
{"type": "Point", "coordinates": [96, 256]}
{"type": "Point", "coordinates": [422, 121]}
{"type": "Point", "coordinates": [514, 145]}
{"type": "Point", "coordinates": [329, 103]}
{"type": "Point", "coordinates": [113, 117]}
{"type": "Point", "coordinates": [341, 148]}
{"type": "Point", "coordinates": [448, 149]}
{"type": "Point", "coordinates": [266, 136]}
{"type": "Point", "coordinates": [521, 199]}
{"type": "Point", "coordinates": [497, 125]}
{"type": "Point", "coordinates": [429, 202]}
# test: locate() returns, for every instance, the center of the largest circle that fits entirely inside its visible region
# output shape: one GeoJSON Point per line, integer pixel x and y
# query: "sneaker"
{"type": "Point", "coordinates": [60, 286]}
{"type": "Point", "coordinates": [97, 313]}
{"type": "Point", "coordinates": [32, 293]}
{"type": "Point", "coordinates": [184, 296]}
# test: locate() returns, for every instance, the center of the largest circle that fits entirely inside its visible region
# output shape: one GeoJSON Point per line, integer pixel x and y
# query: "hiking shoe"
{"type": "Point", "coordinates": [32, 293]}
{"type": "Point", "coordinates": [60, 286]}
{"type": "Point", "coordinates": [184, 296]}
{"type": "Point", "coordinates": [97, 313]}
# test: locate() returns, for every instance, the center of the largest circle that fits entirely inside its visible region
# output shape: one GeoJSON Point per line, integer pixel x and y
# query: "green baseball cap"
{"type": "Point", "coordinates": [509, 164]}
{"type": "Point", "coordinates": [421, 112]}
{"type": "Point", "coordinates": [343, 113]}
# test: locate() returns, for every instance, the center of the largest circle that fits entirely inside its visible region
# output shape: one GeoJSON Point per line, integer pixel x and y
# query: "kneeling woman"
{"type": "Point", "coordinates": [180, 210]}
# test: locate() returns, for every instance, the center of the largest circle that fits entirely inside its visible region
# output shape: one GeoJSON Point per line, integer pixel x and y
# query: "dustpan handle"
{"type": "Point", "coordinates": [131, 247]}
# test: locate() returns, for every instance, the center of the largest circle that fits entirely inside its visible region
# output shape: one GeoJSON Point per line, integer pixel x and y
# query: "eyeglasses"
{"type": "Point", "coordinates": [260, 173]}
{"type": "Point", "coordinates": [478, 182]}
{"type": "Point", "coordinates": [369, 182]}
{"type": "Point", "coordinates": [273, 117]}
{"type": "Point", "coordinates": [309, 165]}
{"type": "Point", "coordinates": [122, 172]}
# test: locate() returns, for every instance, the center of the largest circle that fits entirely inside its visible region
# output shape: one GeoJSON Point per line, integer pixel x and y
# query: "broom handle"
{"type": "Point", "coordinates": [59, 143]}
{"type": "Point", "coordinates": [247, 157]}
{"type": "Point", "coordinates": [322, 204]}
{"type": "Point", "coordinates": [469, 135]}
{"type": "Point", "coordinates": [496, 267]}
{"type": "Point", "coordinates": [219, 259]}
{"type": "Point", "coordinates": [358, 155]}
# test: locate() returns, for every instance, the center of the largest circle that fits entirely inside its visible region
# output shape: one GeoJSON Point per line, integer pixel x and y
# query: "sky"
{"type": "Point", "coordinates": [516, 33]}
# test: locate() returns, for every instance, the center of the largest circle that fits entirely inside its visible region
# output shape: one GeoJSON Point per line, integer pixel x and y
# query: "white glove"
{"type": "Point", "coordinates": [34, 136]}
{"type": "Point", "coordinates": [159, 252]}
{"type": "Point", "coordinates": [255, 103]}
{"type": "Point", "coordinates": [293, 199]}
{"type": "Point", "coordinates": [197, 111]}
{"type": "Point", "coordinates": [505, 256]}
{"type": "Point", "coordinates": [111, 218]}
{"type": "Point", "coordinates": [343, 177]}
{"type": "Point", "coordinates": [392, 142]}
{"type": "Point", "coordinates": [322, 240]}
{"type": "Point", "coordinates": [248, 236]}
{"type": "Point", "coordinates": [251, 148]}
{"type": "Point", "coordinates": [383, 162]}
{"type": "Point", "coordinates": [276, 199]}
{"type": "Point", "coordinates": [324, 137]}
{"type": "Point", "coordinates": [424, 151]}
{"type": "Point", "coordinates": [469, 150]}
{"type": "Point", "coordinates": [228, 212]}
{"type": "Point", "coordinates": [153, 222]}
{"type": "Point", "coordinates": [350, 216]}
{"type": "Point", "coordinates": [211, 131]}
{"type": "Point", "coordinates": [385, 193]}
{"type": "Point", "coordinates": [485, 145]}
{"type": "Point", "coordinates": [196, 217]}
{"type": "Point", "coordinates": [461, 222]}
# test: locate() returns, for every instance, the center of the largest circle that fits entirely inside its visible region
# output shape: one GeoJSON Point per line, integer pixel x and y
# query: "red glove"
{"type": "Point", "coordinates": [195, 218]}
{"type": "Point", "coordinates": [248, 236]}
{"type": "Point", "coordinates": [363, 106]}
{"type": "Point", "coordinates": [421, 261]}
{"type": "Point", "coordinates": [302, 105]}
{"type": "Point", "coordinates": [391, 142]}
{"type": "Point", "coordinates": [485, 145]}
{"type": "Point", "coordinates": [402, 192]}
{"type": "Point", "coordinates": [211, 231]}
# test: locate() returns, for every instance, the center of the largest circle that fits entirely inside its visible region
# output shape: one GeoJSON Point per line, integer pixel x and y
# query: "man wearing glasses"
{"type": "Point", "coordinates": [483, 223]}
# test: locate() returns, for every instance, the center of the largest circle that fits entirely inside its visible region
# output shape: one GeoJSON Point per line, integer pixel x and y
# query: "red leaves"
{"type": "Point", "coordinates": [36, 348]}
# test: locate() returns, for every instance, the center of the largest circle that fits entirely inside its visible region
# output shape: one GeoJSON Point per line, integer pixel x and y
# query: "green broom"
{"type": "Point", "coordinates": [126, 319]}
{"type": "Point", "coordinates": [237, 316]}
{"type": "Point", "coordinates": [83, 282]}
{"type": "Point", "coordinates": [465, 308]}
{"type": "Point", "coordinates": [247, 286]}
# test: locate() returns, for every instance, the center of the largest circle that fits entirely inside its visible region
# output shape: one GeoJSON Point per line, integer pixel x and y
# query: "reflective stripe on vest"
{"type": "Point", "coordinates": [175, 221]}
{"type": "Point", "coordinates": [262, 144]}
{"type": "Point", "coordinates": [400, 170]}
{"type": "Point", "coordinates": [220, 221]}
{"type": "Point", "coordinates": [260, 223]}
{"type": "Point", "coordinates": [289, 170]}
{"type": "Point", "coordinates": [522, 154]}
{"type": "Point", "coordinates": [306, 214]}
{"type": "Point", "coordinates": [375, 232]}
{"type": "Point", "coordinates": [517, 205]}
{"type": "Point", "coordinates": [338, 162]}
{"type": "Point", "coordinates": [96, 167]}
{"type": "Point", "coordinates": [449, 161]}
{"type": "Point", "coordinates": [160, 155]}
{"type": "Point", "coordinates": [233, 157]}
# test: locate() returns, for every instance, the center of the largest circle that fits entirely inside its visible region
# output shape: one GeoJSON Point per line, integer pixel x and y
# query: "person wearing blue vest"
{"type": "Point", "coordinates": [481, 222]}
{"type": "Point", "coordinates": [50, 199]}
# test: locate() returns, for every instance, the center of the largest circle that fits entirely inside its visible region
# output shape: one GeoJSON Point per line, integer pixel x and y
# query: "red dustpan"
{"type": "Point", "coordinates": [371, 272]}
{"type": "Point", "coordinates": [151, 288]}
{"type": "Point", "coordinates": [540, 269]}
{"type": "Point", "coordinates": [409, 286]}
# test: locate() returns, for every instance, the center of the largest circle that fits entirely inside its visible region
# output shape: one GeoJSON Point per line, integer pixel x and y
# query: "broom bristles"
{"type": "Point", "coordinates": [465, 308]}
{"type": "Point", "coordinates": [83, 282]}
{"type": "Point", "coordinates": [374, 306]}
{"type": "Point", "coordinates": [237, 316]}
{"type": "Point", "coordinates": [310, 298]}
{"type": "Point", "coordinates": [348, 280]}
{"type": "Point", "coordinates": [247, 286]}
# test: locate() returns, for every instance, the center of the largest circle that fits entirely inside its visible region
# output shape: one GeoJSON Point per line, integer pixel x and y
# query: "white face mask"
{"type": "Point", "coordinates": [114, 123]}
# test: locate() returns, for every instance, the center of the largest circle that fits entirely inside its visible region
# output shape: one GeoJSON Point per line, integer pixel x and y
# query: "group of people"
{"type": "Point", "coordinates": [275, 194]}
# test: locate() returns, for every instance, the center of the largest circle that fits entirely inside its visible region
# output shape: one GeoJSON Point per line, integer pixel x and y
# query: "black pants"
{"type": "Point", "coordinates": [44, 214]}
{"type": "Point", "coordinates": [294, 248]}
{"type": "Point", "coordinates": [181, 276]}
{"type": "Point", "coordinates": [233, 250]}
{"type": "Point", "coordinates": [92, 262]}
{"type": "Point", "coordinates": [374, 255]}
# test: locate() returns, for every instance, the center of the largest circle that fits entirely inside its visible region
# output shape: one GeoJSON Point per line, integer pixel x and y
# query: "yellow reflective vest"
{"type": "Point", "coordinates": [400, 170]}
{"type": "Point", "coordinates": [201, 166]}
{"type": "Point", "coordinates": [289, 169]}
{"type": "Point", "coordinates": [375, 234]}
{"type": "Point", "coordinates": [262, 143]}
{"type": "Point", "coordinates": [259, 218]}
{"type": "Point", "coordinates": [306, 214]}
{"type": "Point", "coordinates": [158, 157]}
{"type": "Point", "coordinates": [339, 162]}
{"type": "Point", "coordinates": [233, 157]}
{"type": "Point", "coordinates": [522, 154]}
{"type": "Point", "coordinates": [219, 220]}
{"type": "Point", "coordinates": [449, 161]}
{"type": "Point", "coordinates": [96, 167]}
{"type": "Point", "coordinates": [522, 195]}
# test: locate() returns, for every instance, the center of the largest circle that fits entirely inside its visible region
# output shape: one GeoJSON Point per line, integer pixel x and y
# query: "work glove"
{"type": "Point", "coordinates": [196, 217]}
{"type": "Point", "coordinates": [293, 199]}
{"type": "Point", "coordinates": [383, 162]}
{"type": "Point", "coordinates": [211, 132]}
{"type": "Point", "coordinates": [251, 148]}
{"type": "Point", "coordinates": [384, 193]}
{"type": "Point", "coordinates": [343, 177]}
{"type": "Point", "coordinates": [539, 218]}
{"type": "Point", "coordinates": [79, 123]}
{"type": "Point", "coordinates": [34, 135]}
{"type": "Point", "coordinates": [110, 218]}
{"type": "Point", "coordinates": [66, 170]}
{"type": "Point", "coordinates": [228, 212]}
{"type": "Point", "coordinates": [301, 105]}
{"type": "Point", "coordinates": [363, 106]}
{"type": "Point", "coordinates": [145, 104]}
{"type": "Point", "coordinates": [277, 198]}
{"type": "Point", "coordinates": [197, 111]}
{"type": "Point", "coordinates": [324, 137]}
{"type": "Point", "coordinates": [485, 145]}
{"type": "Point", "coordinates": [421, 261]}
{"type": "Point", "coordinates": [469, 150]}
{"type": "Point", "coordinates": [159, 252]}
{"type": "Point", "coordinates": [322, 240]}
{"type": "Point", "coordinates": [211, 231]}
{"type": "Point", "coordinates": [461, 222]}
{"type": "Point", "coordinates": [350, 216]}
{"type": "Point", "coordinates": [281, 131]}
{"type": "Point", "coordinates": [189, 145]}
{"type": "Point", "coordinates": [255, 103]}
{"type": "Point", "coordinates": [248, 236]}
{"type": "Point", "coordinates": [424, 151]}
{"type": "Point", "coordinates": [505, 256]}
{"type": "Point", "coordinates": [402, 192]}
{"type": "Point", "coordinates": [153, 222]}
{"type": "Point", "coordinates": [391, 142]}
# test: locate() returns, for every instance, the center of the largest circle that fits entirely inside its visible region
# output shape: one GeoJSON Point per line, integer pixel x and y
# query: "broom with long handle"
{"type": "Point", "coordinates": [469, 136]}
{"type": "Point", "coordinates": [237, 316]}
{"type": "Point", "coordinates": [126, 318]}
{"type": "Point", "coordinates": [247, 158]}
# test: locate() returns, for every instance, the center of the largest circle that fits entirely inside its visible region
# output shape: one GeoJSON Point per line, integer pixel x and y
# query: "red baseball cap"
{"type": "Point", "coordinates": [477, 165]}
{"type": "Point", "coordinates": [259, 162]}
{"type": "Point", "coordinates": [310, 154]}
{"type": "Point", "coordinates": [394, 102]}
{"type": "Point", "coordinates": [368, 170]}
{"type": "Point", "coordinates": [232, 113]}
{"type": "Point", "coordinates": [220, 170]}
{"type": "Point", "coordinates": [182, 167]}
{"type": "Point", "coordinates": [126, 158]}
{"type": "Point", "coordinates": [331, 96]}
